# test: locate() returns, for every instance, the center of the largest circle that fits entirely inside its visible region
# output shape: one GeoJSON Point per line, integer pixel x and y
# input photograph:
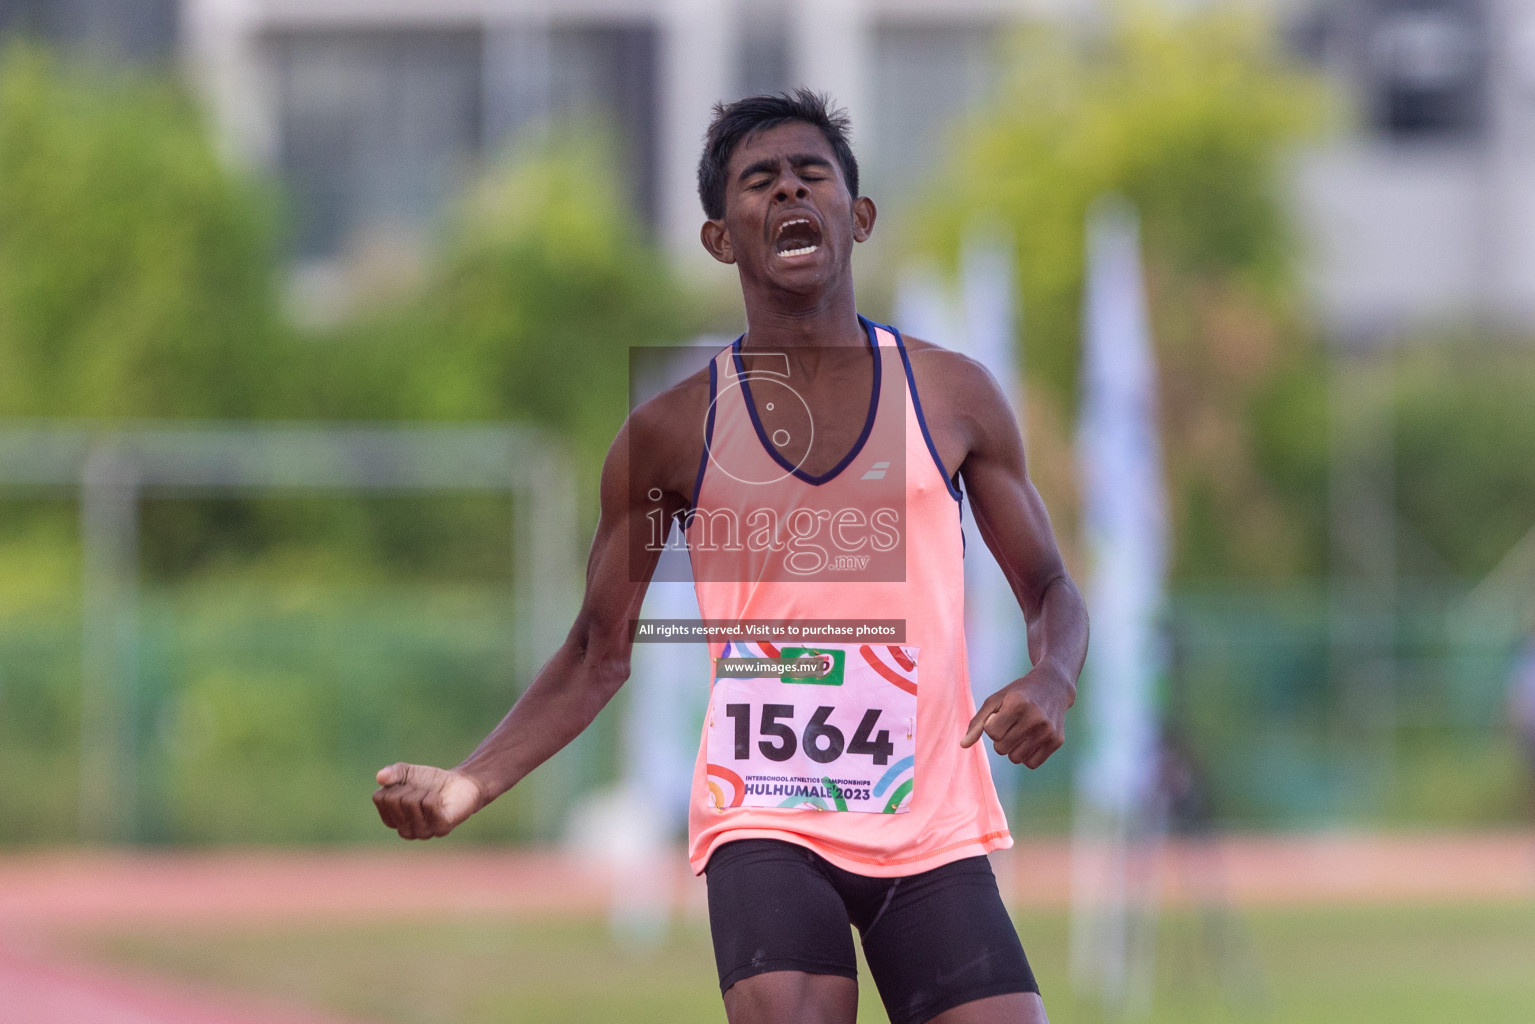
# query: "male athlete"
{"type": "Point", "coordinates": [815, 468]}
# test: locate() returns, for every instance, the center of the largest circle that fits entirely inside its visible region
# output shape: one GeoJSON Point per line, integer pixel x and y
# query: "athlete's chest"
{"type": "Point", "coordinates": [815, 418]}
{"type": "Point", "coordinates": [812, 413]}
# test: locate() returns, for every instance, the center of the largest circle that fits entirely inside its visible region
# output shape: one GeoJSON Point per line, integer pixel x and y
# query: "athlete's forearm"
{"type": "Point", "coordinates": [1058, 633]}
{"type": "Point", "coordinates": [564, 698]}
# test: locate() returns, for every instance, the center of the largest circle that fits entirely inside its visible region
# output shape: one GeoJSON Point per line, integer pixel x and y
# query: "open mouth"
{"type": "Point", "coordinates": [797, 236]}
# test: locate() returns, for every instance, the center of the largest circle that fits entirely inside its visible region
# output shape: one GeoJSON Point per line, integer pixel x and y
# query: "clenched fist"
{"type": "Point", "coordinates": [1026, 719]}
{"type": "Point", "coordinates": [419, 801]}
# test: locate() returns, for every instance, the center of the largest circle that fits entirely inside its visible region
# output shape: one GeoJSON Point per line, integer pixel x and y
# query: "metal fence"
{"type": "Point", "coordinates": [224, 711]}
{"type": "Point", "coordinates": [112, 467]}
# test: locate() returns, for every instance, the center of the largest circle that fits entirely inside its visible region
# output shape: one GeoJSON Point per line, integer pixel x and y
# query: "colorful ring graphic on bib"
{"type": "Point", "coordinates": [893, 664]}
{"type": "Point", "coordinates": [843, 740]}
{"type": "Point", "coordinates": [751, 649]}
{"type": "Point", "coordinates": [805, 803]}
{"type": "Point", "coordinates": [902, 767]}
{"type": "Point", "coordinates": [737, 791]}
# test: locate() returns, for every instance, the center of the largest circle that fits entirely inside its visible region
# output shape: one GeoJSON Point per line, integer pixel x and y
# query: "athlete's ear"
{"type": "Point", "coordinates": [717, 240]}
{"type": "Point", "coordinates": [863, 218]}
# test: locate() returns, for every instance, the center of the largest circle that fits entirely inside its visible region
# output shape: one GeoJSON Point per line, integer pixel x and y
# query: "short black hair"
{"type": "Point", "coordinates": [734, 122]}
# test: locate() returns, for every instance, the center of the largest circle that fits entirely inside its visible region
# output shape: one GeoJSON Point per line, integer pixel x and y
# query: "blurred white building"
{"type": "Point", "coordinates": [1427, 215]}
{"type": "Point", "coordinates": [374, 112]}
{"type": "Point", "coordinates": [138, 30]}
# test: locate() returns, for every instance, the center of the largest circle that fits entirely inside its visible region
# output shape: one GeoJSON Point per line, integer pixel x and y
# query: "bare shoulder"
{"type": "Point", "coordinates": [664, 435]}
{"type": "Point", "coordinates": [964, 406]}
{"type": "Point", "coordinates": [952, 382]}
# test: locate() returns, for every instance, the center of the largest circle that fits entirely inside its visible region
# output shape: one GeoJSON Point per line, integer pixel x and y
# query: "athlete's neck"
{"type": "Point", "coordinates": [828, 321]}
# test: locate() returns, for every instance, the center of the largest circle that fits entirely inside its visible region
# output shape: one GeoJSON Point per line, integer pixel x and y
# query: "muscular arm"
{"type": "Point", "coordinates": [1026, 718]}
{"type": "Point", "coordinates": [420, 801]}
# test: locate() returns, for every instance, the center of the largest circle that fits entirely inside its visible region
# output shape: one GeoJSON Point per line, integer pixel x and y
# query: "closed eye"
{"type": "Point", "coordinates": [812, 168]}
{"type": "Point", "coordinates": [808, 166]}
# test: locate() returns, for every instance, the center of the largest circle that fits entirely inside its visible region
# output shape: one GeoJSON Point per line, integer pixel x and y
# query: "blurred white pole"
{"type": "Point", "coordinates": [696, 64]}
{"type": "Point", "coordinates": [923, 308]}
{"type": "Point", "coordinates": [983, 325]}
{"type": "Point", "coordinates": [1120, 465]}
{"type": "Point", "coordinates": [996, 635]}
{"type": "Point", "coordinates": [987, 276]}
{"type": "Point", "coordinates": [663, 711]}
{"type": "Point", "coordinates": [829, 52]}
{"type": "Point", "coordinates": [222, 41]}
{"type": "Point", "coordinates": [666, 694]}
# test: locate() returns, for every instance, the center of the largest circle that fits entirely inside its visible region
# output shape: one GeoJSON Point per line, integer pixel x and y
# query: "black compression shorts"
{"type": "Point", "coordinates": [934, 940]}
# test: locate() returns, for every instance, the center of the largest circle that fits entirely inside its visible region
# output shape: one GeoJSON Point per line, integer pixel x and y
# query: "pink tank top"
{"type": "Point", "coordinates": [847, 746]}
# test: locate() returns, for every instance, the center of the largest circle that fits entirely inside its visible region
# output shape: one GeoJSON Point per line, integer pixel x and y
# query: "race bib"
{"type": "Point", "coordinates": [830, 727]}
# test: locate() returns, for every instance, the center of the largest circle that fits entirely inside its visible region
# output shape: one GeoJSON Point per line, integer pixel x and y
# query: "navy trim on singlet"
{"type": "Point", "coordinates": [868, 423]}
{"type": "Point", "coordinates": [703, 460]}
{"type": "Point", "coordinates": [916, 404]}
{"type": "Point", "coordinates": [962, 542]}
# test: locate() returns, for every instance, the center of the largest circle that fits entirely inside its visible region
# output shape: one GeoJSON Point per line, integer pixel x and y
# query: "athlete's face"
{"type": "Point", "coordinates": [789, 221]}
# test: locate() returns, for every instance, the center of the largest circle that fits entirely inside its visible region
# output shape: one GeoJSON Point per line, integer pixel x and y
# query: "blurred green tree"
{"type": "Point", "coordinates": [1189, 116]}
{"type": "Point", "coordinates": [136, 272]}
{"type": "Point", "coordinates": [139, 279]}
{"type": "Point", "coordinates": [1464, 454]}
{"type": "Point", "coordinates": [545, 280]}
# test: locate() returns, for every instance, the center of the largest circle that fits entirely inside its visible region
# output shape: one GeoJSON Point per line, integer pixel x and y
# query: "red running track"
{"type": "Point", "coordinates": [42, 894]}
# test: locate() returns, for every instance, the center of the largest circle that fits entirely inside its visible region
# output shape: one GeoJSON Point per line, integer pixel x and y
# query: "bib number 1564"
{"type": "Point", "coordinates": [821, 741]}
